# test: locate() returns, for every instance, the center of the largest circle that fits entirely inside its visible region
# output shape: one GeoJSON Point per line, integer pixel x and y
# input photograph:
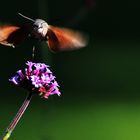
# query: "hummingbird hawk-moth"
{"type": "Point", "coordinates": [57, 38]}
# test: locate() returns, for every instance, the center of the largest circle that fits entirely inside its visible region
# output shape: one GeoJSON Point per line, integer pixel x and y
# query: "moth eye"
{"type": "Point", "coordinates": [35, 26]}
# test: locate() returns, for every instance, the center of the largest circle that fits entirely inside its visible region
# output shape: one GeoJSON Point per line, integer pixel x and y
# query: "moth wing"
{"type": "Point", "coordinates": [11, 35]}
{"type": "Point", "coordinates": [61, 39]}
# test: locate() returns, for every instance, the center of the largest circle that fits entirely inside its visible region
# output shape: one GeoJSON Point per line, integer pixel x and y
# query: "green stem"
{"type": "Point", "coordinates": [17, 117]}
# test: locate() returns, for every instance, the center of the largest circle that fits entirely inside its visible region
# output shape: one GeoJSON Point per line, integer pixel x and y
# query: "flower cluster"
{"type": "Point", "coordinates": [37, 77]}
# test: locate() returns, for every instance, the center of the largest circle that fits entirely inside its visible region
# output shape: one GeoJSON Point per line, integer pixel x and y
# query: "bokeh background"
{"type": "Point", "coordinates": [100, 84]}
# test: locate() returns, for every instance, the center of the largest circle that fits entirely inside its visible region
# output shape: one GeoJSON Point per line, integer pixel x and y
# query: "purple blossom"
{"type": "Point", "coordinates": [37, 77]}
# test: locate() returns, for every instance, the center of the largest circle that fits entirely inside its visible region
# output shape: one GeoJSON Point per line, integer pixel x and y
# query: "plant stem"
{"type": "Point", "coordinates": [17, 117]}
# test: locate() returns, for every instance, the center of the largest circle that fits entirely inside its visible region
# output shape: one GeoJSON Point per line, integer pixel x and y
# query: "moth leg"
{"type": "Point", "coordinates": [7, 44]}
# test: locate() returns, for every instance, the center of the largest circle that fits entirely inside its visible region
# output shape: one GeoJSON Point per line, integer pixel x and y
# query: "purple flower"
{"type": "Point", "coordinates": [37, 77]}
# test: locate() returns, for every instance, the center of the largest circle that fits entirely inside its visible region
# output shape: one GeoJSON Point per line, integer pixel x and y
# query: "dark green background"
{"type": "Point", "coordinates": [100, 84]}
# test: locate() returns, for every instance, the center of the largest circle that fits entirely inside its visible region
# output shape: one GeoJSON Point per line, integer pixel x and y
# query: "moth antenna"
{"type": "Point", "coordinates": [26, 17]}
